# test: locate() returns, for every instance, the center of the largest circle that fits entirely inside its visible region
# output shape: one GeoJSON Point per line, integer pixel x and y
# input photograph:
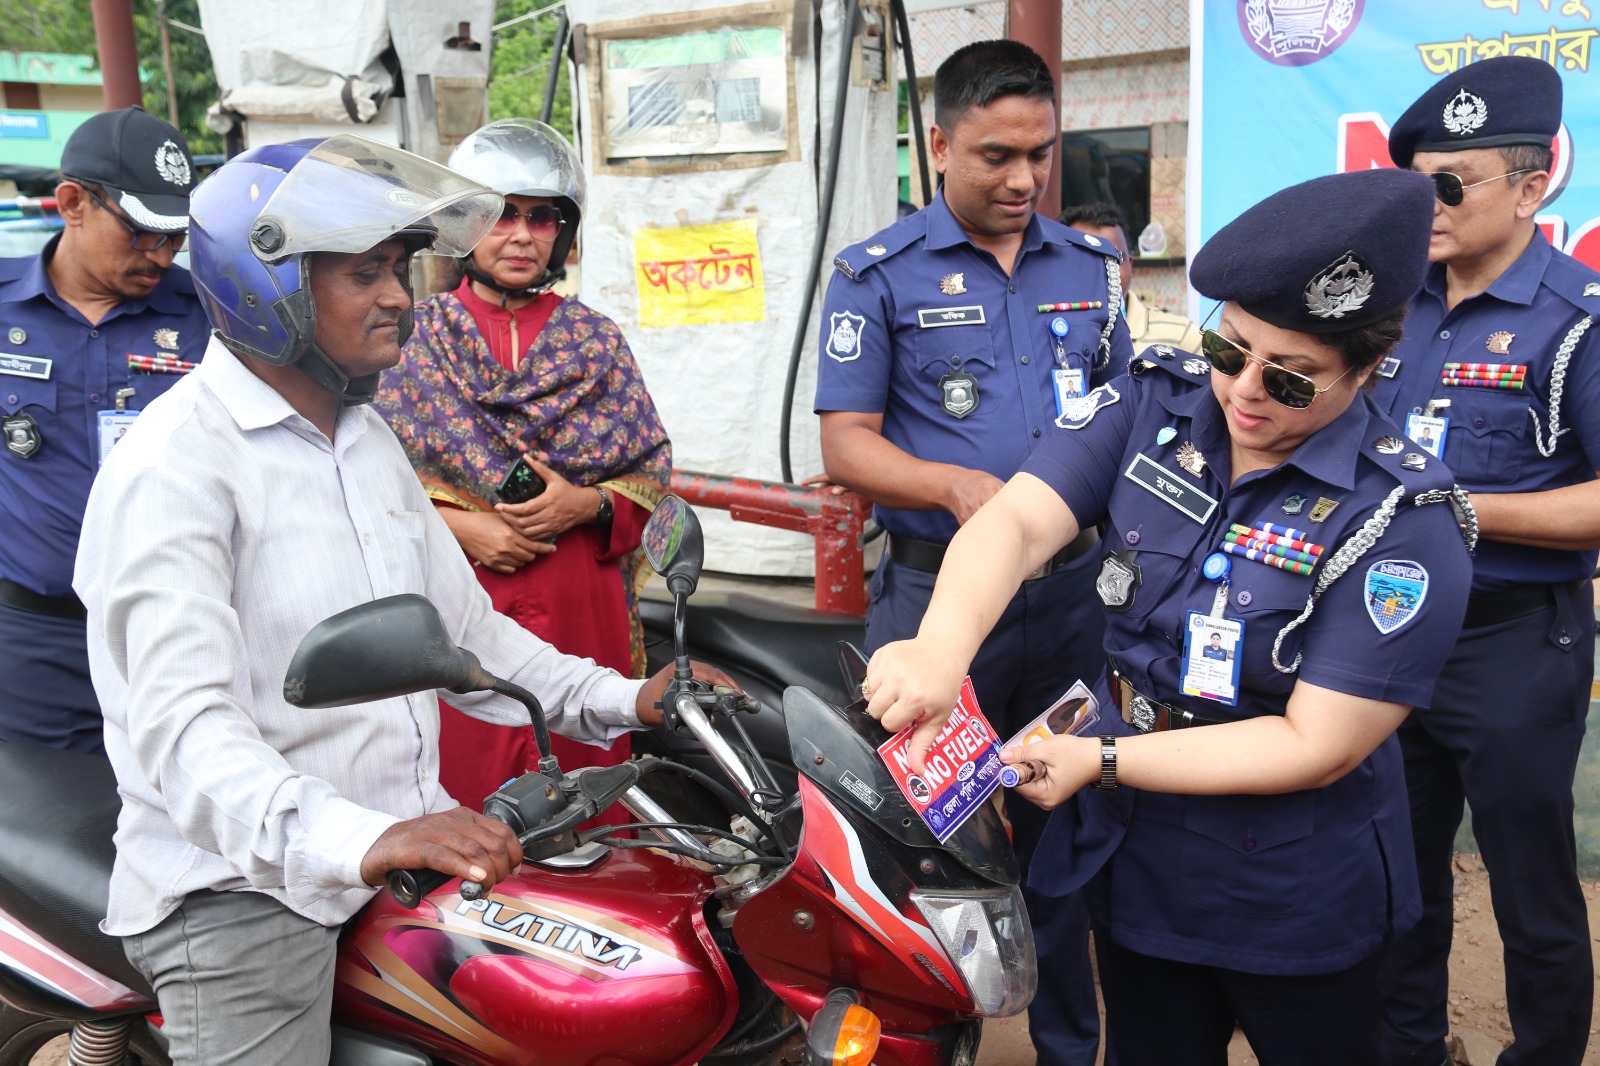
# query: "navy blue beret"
{"type": "Point", "coordinates": [1489, 104]}
{"type": "Point", "coordinates": [1324, 256]}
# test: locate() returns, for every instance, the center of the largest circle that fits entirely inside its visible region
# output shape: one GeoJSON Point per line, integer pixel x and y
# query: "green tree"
{"type": "Point", "coordinates": [68, 26]}
{"type": "Point", "coordinates": [520, 66]}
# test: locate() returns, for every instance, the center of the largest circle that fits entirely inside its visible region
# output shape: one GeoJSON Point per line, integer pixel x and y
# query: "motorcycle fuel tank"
{"type": "Point", "coordinates": [609, 964]}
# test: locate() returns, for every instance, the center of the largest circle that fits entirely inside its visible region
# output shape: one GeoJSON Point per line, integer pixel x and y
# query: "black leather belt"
{"type": "Point", "coordinates": [1148, 715]}
{"type": "Point", "coordinates": [926, 555]}
{"type": "Point", "coordinates": [25, 599]}
{"type": "Point", "coordinates": [1519, 601]}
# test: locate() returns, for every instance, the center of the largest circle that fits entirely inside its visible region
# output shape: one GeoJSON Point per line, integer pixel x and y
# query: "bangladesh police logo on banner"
{"type": "Point", "coordinates": [844, 336]}
{"type": "Point", "coordinates": [1395, 591]}
{"type": "Point", "coordinates": [1292, 33]}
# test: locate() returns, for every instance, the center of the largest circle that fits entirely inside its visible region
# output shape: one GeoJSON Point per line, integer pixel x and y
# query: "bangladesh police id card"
{"type": "Point", "coordinates": [1428, 431]}
{"type": "Point", "coordinates": [113, 425]}
{"type": "Point", "coordinates": [1211, 657]}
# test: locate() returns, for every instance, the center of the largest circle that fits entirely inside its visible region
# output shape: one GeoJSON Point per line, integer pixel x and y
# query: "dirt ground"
{"type": "Point", "coordinates": [1477, 986]}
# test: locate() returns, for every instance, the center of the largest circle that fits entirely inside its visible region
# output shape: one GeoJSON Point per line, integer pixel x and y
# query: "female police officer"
{"type": "Point", "coordinates": [1266, 857]}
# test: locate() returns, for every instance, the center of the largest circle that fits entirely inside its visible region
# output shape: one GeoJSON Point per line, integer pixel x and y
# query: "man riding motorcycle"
{"type": "Point", "coordinates": [255, 499]}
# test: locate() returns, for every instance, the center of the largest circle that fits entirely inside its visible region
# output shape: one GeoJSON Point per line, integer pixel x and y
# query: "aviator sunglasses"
{"type": "Point", "coordinates": [1448, 188]}
{"type": "Point", "coordinates": [543, 221]}
{"type": "Point", "coordinates": [1287, 387]}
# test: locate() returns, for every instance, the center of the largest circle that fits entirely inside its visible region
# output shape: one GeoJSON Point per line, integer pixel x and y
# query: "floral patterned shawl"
{"type": "Point", "coordinates": [577, 403]}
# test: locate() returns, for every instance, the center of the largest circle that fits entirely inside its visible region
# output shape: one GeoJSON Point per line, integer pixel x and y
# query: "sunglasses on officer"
{"type": "Point", "coordinates": [143, 240]}
{"type": "Point", "coordinates": [543, 221]}
{"type": "Point", "coordinates": [1287, 387]}
{"type": "Point", "coordinates": [1448, 188]}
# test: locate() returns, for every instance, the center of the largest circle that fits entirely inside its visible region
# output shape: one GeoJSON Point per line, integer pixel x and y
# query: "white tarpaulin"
{"type": "Point", "coordinates": [703, 266]}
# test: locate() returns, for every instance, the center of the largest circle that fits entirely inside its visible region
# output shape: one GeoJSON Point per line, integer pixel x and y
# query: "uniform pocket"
{"type": "Point", "coordinates": [1163, 538]}
{"type": "Point", "coordinates": [36, 400]}
{"type": "Point", "coordinates": [1487, 428]}
{"type": "Point", "coordinates": [1248, 855]}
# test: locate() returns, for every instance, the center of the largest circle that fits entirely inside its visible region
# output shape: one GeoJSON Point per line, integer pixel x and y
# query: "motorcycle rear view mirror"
{"type": "Point", "coordinates": [673, 543]}
{"type": "Point", "coordinates": [389, 647]}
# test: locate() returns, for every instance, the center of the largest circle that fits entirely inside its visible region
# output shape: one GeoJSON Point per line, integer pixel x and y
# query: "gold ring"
{"type": "Point", "coordinates": [866, 693]}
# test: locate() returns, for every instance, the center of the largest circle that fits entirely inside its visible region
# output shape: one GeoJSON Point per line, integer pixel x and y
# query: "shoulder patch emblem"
{"type": "Point", "coordinates": [1395, 591]}
{"type": "Point", "coordinates": [1075, 414]}
{"type": "Point", "coordinates": [844, 336]}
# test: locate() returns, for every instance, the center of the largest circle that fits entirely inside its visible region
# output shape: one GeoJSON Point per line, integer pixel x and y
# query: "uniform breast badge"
{"type": "Point", "coordinates": [22, 436]}
{"type": "Point", "coordinates": [1190, 458]}
{"type": "Point", "coordinates": [165, 338]}
{"type": "Point", "coordinates": [1499, 342]}
{"type": "Point", "coordinates": [958, 393]}
{"type": "Point", "coordinates": [953, 284]}
{"type": "Point", "coordinates": [1117, 582]}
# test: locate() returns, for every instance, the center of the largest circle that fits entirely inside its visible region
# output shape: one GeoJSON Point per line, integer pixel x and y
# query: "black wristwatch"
{"type": "Point", "coordinates": [1108, 764]}
{"type": "Point", "coordinates": [603, 515]}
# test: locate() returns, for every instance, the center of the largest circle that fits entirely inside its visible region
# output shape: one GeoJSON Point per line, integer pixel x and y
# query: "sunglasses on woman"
{"type": "Point", "coordinates": [1291, 389]}
{"type": "Point", "coordinates": [543, 221]}
{"type": "Point", "coordinates": [1448, 188]}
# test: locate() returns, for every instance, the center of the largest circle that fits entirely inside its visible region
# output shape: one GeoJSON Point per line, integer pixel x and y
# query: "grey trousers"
{"type": "Point", "coordinates": [241, 979]}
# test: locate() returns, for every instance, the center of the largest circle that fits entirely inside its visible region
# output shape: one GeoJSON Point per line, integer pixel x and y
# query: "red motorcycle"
{"type": "Point", "coordinates": [822, 924]}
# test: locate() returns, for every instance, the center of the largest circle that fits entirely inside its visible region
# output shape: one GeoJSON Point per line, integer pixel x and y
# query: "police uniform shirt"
{"type": "Point", "coordinates": [1494, 442]}
{"type": "Point", "coordinates": [1308, 882]}
{"type": "Point", "coordinates": [43, 495]}
{"type": "Point", "coordinates": [919, 304]}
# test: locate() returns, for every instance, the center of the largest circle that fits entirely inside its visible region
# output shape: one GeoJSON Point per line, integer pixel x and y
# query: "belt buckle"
{"type": "Point", "coordinates": [1142, 713]}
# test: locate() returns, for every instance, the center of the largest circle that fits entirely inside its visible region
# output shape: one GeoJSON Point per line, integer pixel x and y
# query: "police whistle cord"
{"type": "Point", "coordinates": [1558, 383]}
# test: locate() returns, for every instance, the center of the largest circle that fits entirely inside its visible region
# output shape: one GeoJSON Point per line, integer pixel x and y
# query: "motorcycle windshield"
{"type": "Point", "coordinates": [838, 750]}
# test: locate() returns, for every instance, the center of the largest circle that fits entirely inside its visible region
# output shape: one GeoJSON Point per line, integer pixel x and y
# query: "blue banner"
{"type": "Point", "coordinates": [1287, 90]}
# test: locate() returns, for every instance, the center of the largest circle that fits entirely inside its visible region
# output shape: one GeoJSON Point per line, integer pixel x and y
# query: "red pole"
{"type": "Point", "coordinates": [119, 53]}
{"type": "Point", "coordinates": [1037, 24]}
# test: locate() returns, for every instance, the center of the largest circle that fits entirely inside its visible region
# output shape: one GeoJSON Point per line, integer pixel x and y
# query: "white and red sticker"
{"type": "Point", "coordinates": [961, 770]}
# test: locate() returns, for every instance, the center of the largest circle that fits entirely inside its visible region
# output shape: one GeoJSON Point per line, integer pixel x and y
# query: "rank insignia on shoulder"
{"type": "Point", "coordinates": [1163, 351]}
{"type": "Point", "coordinates": [1197, 367]}
{"type": "Point", "coordinates": [844, 268]}
{"type": "Point", "coordinates": [876, 249]}
{"type": "Point", "coordinates": [1091, 240]}
{"type": "Point", "coordinates": [844, 336]}
{"type": "Point", "coordinates": [1389, 445]}
{"type": "Point", "coordinates": [1414, 461]}
{"type": "Point", "coordinates": [1592, 289]}
{"type": "Point", "coordinates": [1396, 589]}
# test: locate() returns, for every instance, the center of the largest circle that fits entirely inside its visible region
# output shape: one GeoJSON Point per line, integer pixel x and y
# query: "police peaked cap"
{"type": "Point", "coordinates": [1489, 104]}
{"type": "Point", "coordinates": [1325, 256]}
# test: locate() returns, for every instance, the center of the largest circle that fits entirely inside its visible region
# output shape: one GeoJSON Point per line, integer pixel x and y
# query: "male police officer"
{"type": "Point", "coordinates": [1497, 355]}
{"type": "Point", "coordinates": [951, 342]}
{"type": "Point", "coordinates": [94, 327]}
{"type": "Point", "coordinates": [1146, 325]}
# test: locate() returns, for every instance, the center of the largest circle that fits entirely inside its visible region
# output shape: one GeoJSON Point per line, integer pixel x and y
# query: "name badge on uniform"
{"type": "Point", "coordinates": [1211, 658]}
{"type": "Point", "coordinates": [1171, 488]}
{"type": "Point", "coordinates": [1428, 431]}
{"type": "Point", "coordinates": [113, 425]}
{"type": "Point", "coordinates": [1068, 387]}
{"type": "Point", "coordinates": [929, 317]}
{"type": "Point", "coordinates": [25, 366]}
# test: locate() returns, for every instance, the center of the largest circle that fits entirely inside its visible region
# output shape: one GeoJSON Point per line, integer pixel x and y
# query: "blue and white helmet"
{"type": "Point", "coordinates": [256, 221]}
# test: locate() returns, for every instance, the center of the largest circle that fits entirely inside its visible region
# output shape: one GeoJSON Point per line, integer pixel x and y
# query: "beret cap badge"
{"type": "Point", "coordinates": [1340, 288]}
{"type": "Point", "coordinates": [1465, 113]}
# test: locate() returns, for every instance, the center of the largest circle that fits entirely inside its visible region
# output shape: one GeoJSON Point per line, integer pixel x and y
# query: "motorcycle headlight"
{"type": "Point", "coordinates": [987, 936]}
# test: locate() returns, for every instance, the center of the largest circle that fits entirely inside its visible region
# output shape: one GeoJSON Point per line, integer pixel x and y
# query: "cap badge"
{"type": "Point", "coordinates": [1465, 113]}
{"type": "Point", "coordinates": [165, 338]}
{"type": "Point", "coordinates": [1500, 343]}
{"type": "Point", "coordinates": [1340, 288]}
{"type": "Point", "coordinates": [172, 164]}
{"type": "Point", "coordinates": [876, 249]}
{"type": "Point", "coordinates": [953, 284]}
{"type": "Point", "coordinates": [1190, 459]}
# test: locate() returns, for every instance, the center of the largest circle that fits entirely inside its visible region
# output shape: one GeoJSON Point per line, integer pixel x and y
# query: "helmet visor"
{"type": "Point", "coordinates": [349, 194]}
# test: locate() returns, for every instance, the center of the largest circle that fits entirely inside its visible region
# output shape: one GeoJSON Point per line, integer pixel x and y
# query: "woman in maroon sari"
{"type": "Point", "coordinates": [500, 369]}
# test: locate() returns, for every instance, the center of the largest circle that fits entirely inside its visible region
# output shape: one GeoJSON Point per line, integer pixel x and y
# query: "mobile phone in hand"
{"type": "Point", "coordinates": [521, 484]}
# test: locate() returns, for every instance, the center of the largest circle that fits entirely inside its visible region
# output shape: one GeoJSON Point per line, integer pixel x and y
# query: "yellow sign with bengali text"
{"type": "Point", "coordinates": [697, 275]}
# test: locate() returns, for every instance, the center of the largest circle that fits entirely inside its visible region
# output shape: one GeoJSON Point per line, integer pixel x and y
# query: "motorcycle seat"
{"type": "Point", "coordinates": [795, 645]}
{"type": "Point", "coordinates": [58, 811]}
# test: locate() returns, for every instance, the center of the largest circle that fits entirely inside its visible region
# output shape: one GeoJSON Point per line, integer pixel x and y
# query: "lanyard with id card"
{"type": "Point", "coordinates": [115, 423]}
{"type": "Point", "coordinates": [1211, 642]}
{"type": "Point", "coordinates": [1067, 380]}
{"type": "Point", "coordinates": [1429, 429]}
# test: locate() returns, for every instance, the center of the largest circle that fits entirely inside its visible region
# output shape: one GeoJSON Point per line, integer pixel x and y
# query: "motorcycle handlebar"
{"type": "Point", "coordinates": [410, 887]}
